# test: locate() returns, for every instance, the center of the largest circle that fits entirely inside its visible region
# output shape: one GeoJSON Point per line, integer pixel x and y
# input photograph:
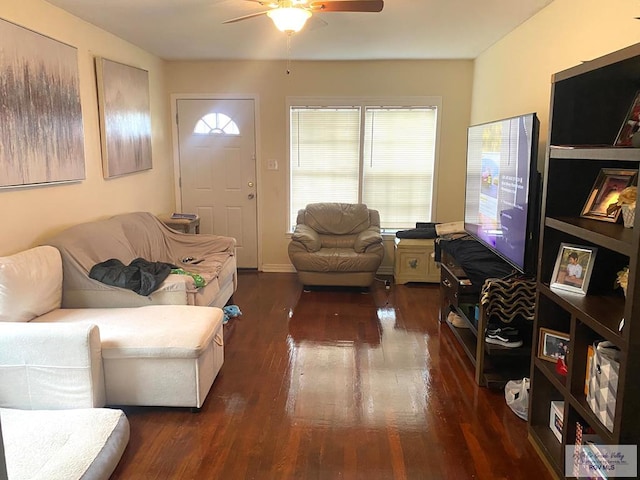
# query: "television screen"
{"type": "Point", "coordinates": [502, 188]}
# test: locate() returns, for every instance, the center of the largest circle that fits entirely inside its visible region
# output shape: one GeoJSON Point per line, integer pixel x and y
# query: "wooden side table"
{"type": "Point", "coordinates": [414, 261]}
{"type": "Point", "coordinates": [184, 225]}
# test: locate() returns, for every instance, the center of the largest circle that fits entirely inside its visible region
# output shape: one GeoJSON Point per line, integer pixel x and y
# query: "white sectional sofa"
{"type": "Point", "coordinates": [162, 355]}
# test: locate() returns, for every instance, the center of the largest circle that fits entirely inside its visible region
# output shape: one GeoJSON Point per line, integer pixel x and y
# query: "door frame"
{"type": "Point", "coordinates": [176, 150]}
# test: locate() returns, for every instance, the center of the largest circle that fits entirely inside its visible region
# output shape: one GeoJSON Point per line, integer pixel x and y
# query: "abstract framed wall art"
{"type": "Point", "coordinates": [41, 132]}
{"type": "Point", "coordinates": [125, 118]}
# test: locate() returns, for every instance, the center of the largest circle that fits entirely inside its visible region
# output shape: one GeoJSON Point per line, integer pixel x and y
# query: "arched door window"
{"type": "Point", "coordinates": [216, 124]}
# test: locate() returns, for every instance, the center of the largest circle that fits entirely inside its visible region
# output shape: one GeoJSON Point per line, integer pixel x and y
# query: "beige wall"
{"type": "Point", "coordinates": [511, 77]}
{"type": "Point", "coordinates": [450, 80]}
{"type": "Point", "coordinates": [514, 76]}
{"type": "Point", "coordinates": [29, 215]}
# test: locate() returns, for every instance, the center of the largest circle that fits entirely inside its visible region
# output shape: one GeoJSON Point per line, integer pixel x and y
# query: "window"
{"type": "Point", "coordinates": [216, 124]}
{"type": "Point", "coordinates": [362, 152]}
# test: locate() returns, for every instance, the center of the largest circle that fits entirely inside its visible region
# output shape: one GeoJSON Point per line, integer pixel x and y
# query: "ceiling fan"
{"type": "Point", "coordinates": [290, 16]}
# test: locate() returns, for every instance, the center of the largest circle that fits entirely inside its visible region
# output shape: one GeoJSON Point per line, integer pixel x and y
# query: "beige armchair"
{"type": "Point", "coordinates": [337, 244]}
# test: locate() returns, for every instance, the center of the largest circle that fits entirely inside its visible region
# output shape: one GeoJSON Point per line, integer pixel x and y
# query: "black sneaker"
{"type": "Point", "coordinates": [495, 328]}
{"type": "Point", "coordinates": [504, 336]}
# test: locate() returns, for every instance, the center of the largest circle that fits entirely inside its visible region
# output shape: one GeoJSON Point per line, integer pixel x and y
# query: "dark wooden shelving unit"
{"type": "Point", "coordinates": [588, 105]}
{"type": "Point", "coordinates": [494, 364]}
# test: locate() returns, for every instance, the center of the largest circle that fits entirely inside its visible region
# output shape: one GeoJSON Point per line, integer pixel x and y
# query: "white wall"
{"type": "Point", "coordinates": [450, 80]}
{"type": "Point", "coordinates": [29, 215]}
{"type": "Point", "coordinates": [514, 76]}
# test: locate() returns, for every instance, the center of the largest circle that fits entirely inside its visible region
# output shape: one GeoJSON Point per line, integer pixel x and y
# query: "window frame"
{"type": "Point", "coordinates": [363, 103]}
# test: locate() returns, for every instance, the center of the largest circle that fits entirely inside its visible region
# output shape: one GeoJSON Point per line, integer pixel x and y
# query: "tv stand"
{"type": "Point", "coordinates": [494, 364]}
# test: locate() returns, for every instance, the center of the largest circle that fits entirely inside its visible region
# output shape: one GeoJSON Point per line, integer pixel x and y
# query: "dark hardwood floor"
{"type": "Point", "coordinates": [335, 384]}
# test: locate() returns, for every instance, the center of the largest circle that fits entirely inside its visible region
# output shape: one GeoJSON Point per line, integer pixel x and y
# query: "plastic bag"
{"type": "Point", "coordinates": [516, 392]}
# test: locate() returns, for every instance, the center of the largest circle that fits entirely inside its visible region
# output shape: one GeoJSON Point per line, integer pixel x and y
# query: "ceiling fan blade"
{"type": "Point", "coordinates": [349, 6]}
{"type": "Point", "coordinates": [273, 4]}
{"type": "Point", "coordinates": [245, 17]}
{"type": "Point", "coordinates": [315, 22]}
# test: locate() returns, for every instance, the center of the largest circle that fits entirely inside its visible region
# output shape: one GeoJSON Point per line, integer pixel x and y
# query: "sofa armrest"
{"type": "Point", "coordinates": [50, 366]}
{"type": "Point", "coordinates": [366, 238]}
{"type": "Point", "coordinates": [307, 236]}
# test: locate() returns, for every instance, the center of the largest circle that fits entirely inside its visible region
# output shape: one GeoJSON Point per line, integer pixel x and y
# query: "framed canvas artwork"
{"type": "Point", "coordinates": [41, 130]}
{"type": "Point", "coordinates": [125, 118]}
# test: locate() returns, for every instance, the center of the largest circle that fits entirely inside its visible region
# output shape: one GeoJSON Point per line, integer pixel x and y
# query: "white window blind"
{"type": "Point", "coordinates": [399, 156]}
{"type": "Point", "coordinates": [325, 156]}
{"type": "Point", "coordinates": [381, 156]}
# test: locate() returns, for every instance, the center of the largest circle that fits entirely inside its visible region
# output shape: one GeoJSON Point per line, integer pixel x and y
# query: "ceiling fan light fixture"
{"type": "Point", "coordinates": [289, 19]}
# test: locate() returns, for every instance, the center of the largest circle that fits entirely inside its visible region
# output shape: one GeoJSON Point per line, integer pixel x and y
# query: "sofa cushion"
{"type": "Point", "coordinates": [30, 284]}
{"type": "Point", "coordinates": [154, 331]}
{"type": "Point", "coordinates": [337, 218]}
{"type": "Point", "coordinates": [339, 260]}
{"type": "Point", "coordinates": [85, 443]}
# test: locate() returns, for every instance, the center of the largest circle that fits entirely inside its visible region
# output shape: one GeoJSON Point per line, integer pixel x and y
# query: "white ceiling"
{"type": "Point", "coordinates": [405, 29]}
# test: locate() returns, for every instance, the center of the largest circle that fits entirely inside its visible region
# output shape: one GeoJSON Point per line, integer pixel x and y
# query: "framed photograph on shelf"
{"type": "Point", "coordinates": [572, 271]}
{"type": "Point", "coordinates": [602, 201]}
{"type": "Point", "coordinates": [631, 124]}
{"type": "Point", "coordinates": [552, 345]}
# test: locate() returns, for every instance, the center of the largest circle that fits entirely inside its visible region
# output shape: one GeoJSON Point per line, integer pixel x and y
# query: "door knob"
{"type": "Point", "coordinates": [250, 184]}
{"type": "Point", "coordinates": [250, 196]}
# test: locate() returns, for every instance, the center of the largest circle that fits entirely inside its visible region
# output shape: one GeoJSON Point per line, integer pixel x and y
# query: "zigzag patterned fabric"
{"type": "Point", "coordinates": [505, 299]}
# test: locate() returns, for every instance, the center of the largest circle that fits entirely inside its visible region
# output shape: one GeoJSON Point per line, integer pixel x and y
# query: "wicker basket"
{"type": "Point", "coordinates": [628, 215]}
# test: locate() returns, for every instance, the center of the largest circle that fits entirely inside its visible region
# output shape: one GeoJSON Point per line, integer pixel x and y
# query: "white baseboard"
{"type": "Point", "coordinates": [278, 268]}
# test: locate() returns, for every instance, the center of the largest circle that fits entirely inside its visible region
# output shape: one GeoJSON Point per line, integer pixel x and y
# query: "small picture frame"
{"type": "Point", "coordinates": [573, 268]}
{"type": "Point", "coordinates": [631, 124]}
{"type": "Point", "coordinates": [552, 345]}
{"type": "Point", "coordinates": [602, 201]}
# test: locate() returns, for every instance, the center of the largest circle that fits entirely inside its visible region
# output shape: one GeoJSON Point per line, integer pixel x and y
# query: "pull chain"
{"type": "Point", "coordinates": [288, 53]}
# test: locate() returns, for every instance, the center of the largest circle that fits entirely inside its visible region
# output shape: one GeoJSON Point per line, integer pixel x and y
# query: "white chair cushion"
{"type": "Point", "coordinates": [30, 284]}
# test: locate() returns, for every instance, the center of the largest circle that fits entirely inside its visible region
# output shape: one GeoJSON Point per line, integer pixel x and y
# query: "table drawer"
{"type": "Point", "coordinates": [458, 290]}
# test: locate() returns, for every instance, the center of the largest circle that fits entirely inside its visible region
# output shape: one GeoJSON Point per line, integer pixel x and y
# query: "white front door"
{"type": "Point", "coordinates": [218, 169]}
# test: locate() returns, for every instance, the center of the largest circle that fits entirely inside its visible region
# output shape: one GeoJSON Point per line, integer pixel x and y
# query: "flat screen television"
{"type": "Point", "coordinates": [502, 194]}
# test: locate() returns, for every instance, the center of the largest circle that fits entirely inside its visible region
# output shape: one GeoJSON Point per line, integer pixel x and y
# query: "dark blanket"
{"type": "Point", "coordinates": [141, 276]}
{"type": "Point", "coordinates": [422, 230]}
{"type": "Point", "coordinates": [477, 261]}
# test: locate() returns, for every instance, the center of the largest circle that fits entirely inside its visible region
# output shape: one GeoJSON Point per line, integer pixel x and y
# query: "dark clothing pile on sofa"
{"type": "Point", "coordinates": [141, 276]}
